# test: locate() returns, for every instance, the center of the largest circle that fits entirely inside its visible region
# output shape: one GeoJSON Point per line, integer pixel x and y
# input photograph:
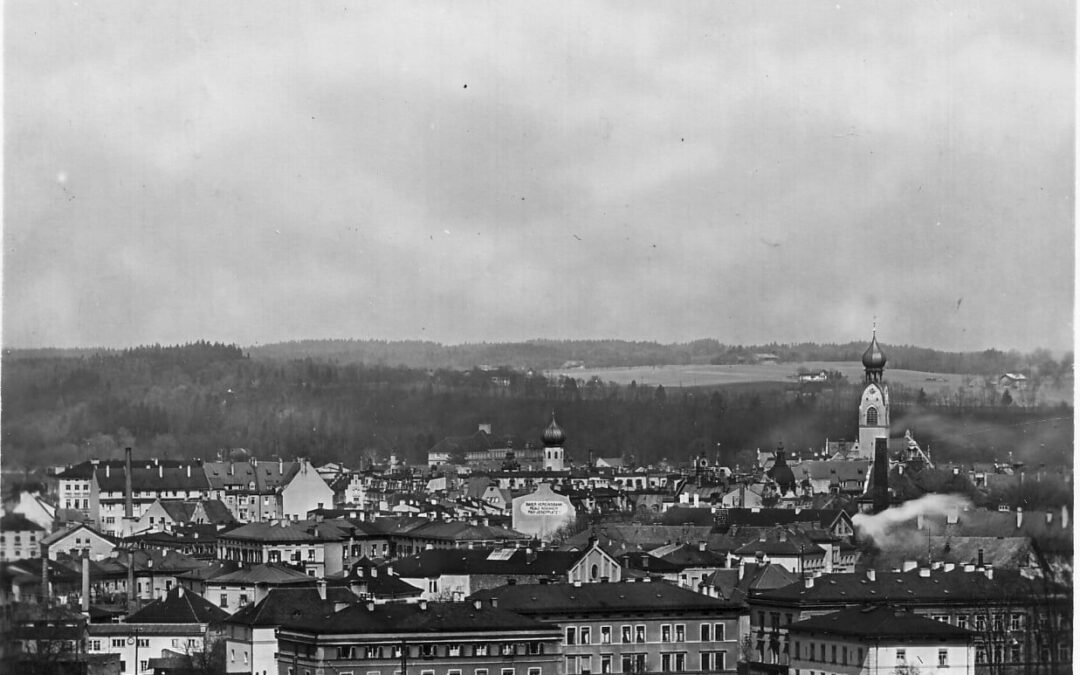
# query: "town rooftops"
{"type": "Point", "coordinates": [422, 617]}
{"type": "Point", "coordinates": [179, 606]}
{"type": "Point", "coordinates": [603, 598]}
{"type": "Point", "coordinates": [881, 623]}
{"type": "Point", "coordinates": [154, 478]}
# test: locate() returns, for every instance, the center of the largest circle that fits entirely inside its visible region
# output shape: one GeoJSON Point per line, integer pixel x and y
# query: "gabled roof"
{"type": "Point", "coordinates": [881, 623]}
{"type": "Point", "coordinates": [765, 517]}
{"type": "Point", "coordinates": [604, 598]}
{"type": "Point", "coordinates": [216, 512]}
{"type": "Point", "coordinates": [178, 510]}
{"type": "Point", "coordinates": [436, 562]}
{"type": "Point", "coordinates": [79, 529]}
{"type": "Point", "coordinates": [179, 606]}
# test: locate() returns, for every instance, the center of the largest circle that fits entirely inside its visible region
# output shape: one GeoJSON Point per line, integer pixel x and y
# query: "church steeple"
{"type": "Point", "coordinates": [873, 359]}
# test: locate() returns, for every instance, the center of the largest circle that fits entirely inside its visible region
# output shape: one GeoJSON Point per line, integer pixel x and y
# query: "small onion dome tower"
{"type": "Point", "coordinates": [873, 360]}
{"type": "Point", "coordinates": [553, 438]}
{"type": "Point", "coordinates": [781, 473]}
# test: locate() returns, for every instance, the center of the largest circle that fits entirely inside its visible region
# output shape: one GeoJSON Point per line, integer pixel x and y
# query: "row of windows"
{"type": "Point", "coordinates": [479, 671]}
{"type": "Point", "coordinates": [628, 634]}
{"type": "Point", "coordinates": [431, 650]}
{"type": "Point", "coordinates": [813, 653]}
{"type": "Point", "coordinates": [1012, 653]}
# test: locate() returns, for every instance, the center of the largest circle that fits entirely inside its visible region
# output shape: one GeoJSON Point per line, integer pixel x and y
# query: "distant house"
{"type": "Point", "coordinates": [1013, 381]}
{"type": "Point", "coordinates": [78, 541]}
{"type": "Point", "coordinates": [31, 505]}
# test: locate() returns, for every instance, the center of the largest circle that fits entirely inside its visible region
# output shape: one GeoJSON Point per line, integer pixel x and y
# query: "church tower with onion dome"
{"type": "Point", "coordinates": [554, 459]}
{"type": "Point", "coordinates": [874, 406]}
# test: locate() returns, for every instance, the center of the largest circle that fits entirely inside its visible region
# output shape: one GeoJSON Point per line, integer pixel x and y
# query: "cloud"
{"type": "Point", "coordinates": [258, 171]}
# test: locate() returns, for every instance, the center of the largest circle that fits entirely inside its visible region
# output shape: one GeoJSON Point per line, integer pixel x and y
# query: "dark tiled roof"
{"type": "Point", "coordinates": [282, 605]}
{"type": "Point", "coordinates": [880, 623]}
{"type": "Point", "coordinates": [179, 606]}
{"type": "Point", "coordinates": [284, 532]}
{"type": "Point", "coordinates": [153, 478]}
{"type": "Point", "coordinates": [434, 617]}
{"type": "Point", "coordinates": [956, 586]}
{"type": "Point", "coordinates": [17, 522]}
{"type": "Point", "coordinates": [623, 596]}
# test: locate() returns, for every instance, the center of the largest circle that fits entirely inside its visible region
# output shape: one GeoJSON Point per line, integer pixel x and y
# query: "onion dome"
{"type": "Point", "coordinates": [553, 435]}
{"type": "Point", "coordinates": [873, 358]}
{"type": "Point", "coordinates": [781, 473]}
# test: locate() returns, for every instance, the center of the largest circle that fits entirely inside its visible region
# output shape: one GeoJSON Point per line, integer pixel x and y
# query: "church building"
{"type": "Point", "coordinates": [874, 406]}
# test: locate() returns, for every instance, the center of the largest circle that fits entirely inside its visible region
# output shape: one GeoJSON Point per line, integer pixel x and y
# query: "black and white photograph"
{"type": "Point", "coordinates": [515, 338]}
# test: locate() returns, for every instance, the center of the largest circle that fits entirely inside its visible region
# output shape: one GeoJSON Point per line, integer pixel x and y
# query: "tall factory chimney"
{"type": "Point", "coordinates": [86, 585]}
{"type": "Point", "coordinates": [127, 483]}
{"type": "Point", "coordinates": [881, 474]}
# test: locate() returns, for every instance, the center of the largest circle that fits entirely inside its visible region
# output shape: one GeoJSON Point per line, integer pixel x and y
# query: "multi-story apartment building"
{"type": "Point", "coordinates": [877, 639]}
{"type": "Point", "coordinates": [150, 481]}
{"type": "Point", "coordinates": [631, 627]}
{"type": "Point", "coordinates": [436, 638]}
{"type": "Point", "coordinates": [250, 490]}
{"type": "Point", "coordinates": [1021, 624]}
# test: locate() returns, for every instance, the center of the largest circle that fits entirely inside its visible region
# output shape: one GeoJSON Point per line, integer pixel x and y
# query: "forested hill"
{"type": "Point", "coordinates": [549, 354]}
{"type": "Point", "coordinates": [199, 399]}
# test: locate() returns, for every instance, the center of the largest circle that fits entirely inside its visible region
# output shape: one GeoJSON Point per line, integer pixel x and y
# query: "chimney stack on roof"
{"type": "Point", "coordinates": [1019, 516]}
{"type": "Point", "coordinates": [808, 582]}
{"type": "Point", "coordinates": [1064, 516]}
{"type": "Point", "coordinates": [924, 572]}
{"type": "Point", "coordinates": [871, 575]}
{"type": "Point", "coordinates": [127, 483]}
{"type": "Point", "coordinates": [321, 586]}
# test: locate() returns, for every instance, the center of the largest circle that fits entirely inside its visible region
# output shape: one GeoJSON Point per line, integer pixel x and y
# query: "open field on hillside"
{"type": "Point", "coordinates": [708, 375]}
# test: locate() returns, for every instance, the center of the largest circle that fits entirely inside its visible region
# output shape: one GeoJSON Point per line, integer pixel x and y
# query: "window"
{"type": "Point", "coordinates": [605, 663]}
{"type": "Point", "coordinates": [480, 671]}
{"type": "Point", "coordinates": [118, 642]}
{"type": "Point", "coordinates": [95, 645]}
{"type": "Point", "coordinates": [478, 650]}
{"type": "Point", "coordinates": [665, 634]}
{"type": "Point", "coordinates": [508, 649]}
{"type": "Point", "coordinates": [224, 601]}
{"type": "Point", "coordinates": [639, 633]}
{"type": "Point", "coordinates": [626, 635]}
{"type": "Point", "coordinates": [571, 665]}
{"type": "Point", "coordinates": [1016, 622]}
{"type": "Point", "coordinates": [507, 671]}
{"type": "Point", "coordinates": [680, 632]}
{"type": "Point", "coordinates": [980, 622]}
{"type": "Point", "coordinates": [605, 635]}
{"type": "Point", "coordinates": [427, 672]}
{"type": "Point", "coordinates": [871, 416]}
{"type": "Point", "coordinates": [243, 599]}
{"type": "Point", "coordinates": [454, 650]}
{"type": "Point", "coordinates": [843, 655]}
{"type": "Point", "coordinates": [373, 652]}
{"type": "Point", "coordinates": [571, 635]}
{"type": "Point", "coordinates": [860, 656]}
{"type": "Point", "coordinates": [962, 621]}
{"type": "Point", "coordinates": [586, 635]}
{"type": "Point", "coordinates": [585, 664]}
{"type": "Point", "coordinates": [532, 671]}
{"type": "Point", "coordinates": [705, 632]}
{"type": "Point", "coordinates": [901, 655]}
{"type": "Point", "coordinates": [665, 662]}
{"type": "Point", "coordinates": [433, 585]}
{"type": "Point", "coordinates": [143, 665]}
{"type": "Point", "coordinates": [999, 623]}
{"type": "Point", "coordinates": [834, 653]}
{"type": "Point", "coordinates": [720, 661]}
{"type": "Point", "coordinates": [232, 654]}
{"type": "Point", "coordinates": [718, 632]}
{"type": "Point", "coordinates": [680, 662]}
{"type": "Point", "coordinates": [144, 642]}
{"type": "Point", "coordinates": [427, 651]}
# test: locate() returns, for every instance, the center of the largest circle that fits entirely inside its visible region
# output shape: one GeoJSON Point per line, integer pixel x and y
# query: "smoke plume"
{"type": "Point", "coordinates": [880, 527]}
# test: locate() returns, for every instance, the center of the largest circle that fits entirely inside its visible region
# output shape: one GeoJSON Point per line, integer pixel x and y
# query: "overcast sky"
{"type": "Point", "coordinates": [750, 171]}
